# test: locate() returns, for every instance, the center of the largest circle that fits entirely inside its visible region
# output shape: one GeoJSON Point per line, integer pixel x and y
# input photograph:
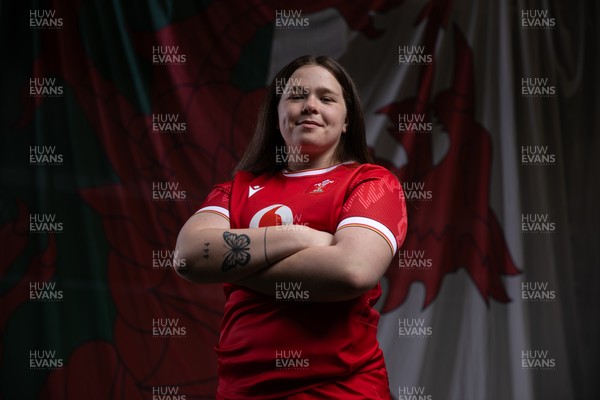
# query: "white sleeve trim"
{"type": "Point", "coordinates": [375, 225]}
{"type": "Point", "coordinates": [215, 209]}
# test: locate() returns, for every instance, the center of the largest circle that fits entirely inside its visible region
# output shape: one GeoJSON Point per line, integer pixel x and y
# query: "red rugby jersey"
{"type": "Point", "coordinates": [270, 348]}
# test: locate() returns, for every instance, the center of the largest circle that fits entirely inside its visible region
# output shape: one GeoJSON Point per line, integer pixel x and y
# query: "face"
{"type": "Point", "coordinates": [312, 111]}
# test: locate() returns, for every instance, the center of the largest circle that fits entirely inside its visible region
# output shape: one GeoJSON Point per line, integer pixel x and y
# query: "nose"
{"type": "Point", "coordinates": [309, 105]}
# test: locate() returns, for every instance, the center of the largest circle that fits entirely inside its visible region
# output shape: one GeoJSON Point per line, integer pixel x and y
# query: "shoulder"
{"type": "Point", "coordinates": [367, 169]}
{"type": "Point", "coordinates": [372, 172]}
{"type": "Point", "coordinates": [240, 179]}
{"type": "Point", "coordinates": [221, 187]}
{"type": "Point", "coordinates": [244, 178]}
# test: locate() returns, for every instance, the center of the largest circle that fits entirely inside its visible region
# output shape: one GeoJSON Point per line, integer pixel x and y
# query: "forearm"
{"type": "Point", "coordinates": [210, 255]}
{"type": "Point", "coordinates": [305, 275]}
{"type": "Point", "coordinates": [316, 274]}
{"type": "Point", "coordinates": [350, 266]}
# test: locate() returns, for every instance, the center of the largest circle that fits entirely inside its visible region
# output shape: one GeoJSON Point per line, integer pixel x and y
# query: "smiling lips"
{"type": "Point", "coordinates": [308, 123]}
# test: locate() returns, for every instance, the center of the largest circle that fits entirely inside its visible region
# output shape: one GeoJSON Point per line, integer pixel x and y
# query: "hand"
{"type": "Point", "coordinates": [320, 238]}
{"type": "Point", "coordinates": [309, 237]}
{"type": "Point", "coordinates": [313, 237]}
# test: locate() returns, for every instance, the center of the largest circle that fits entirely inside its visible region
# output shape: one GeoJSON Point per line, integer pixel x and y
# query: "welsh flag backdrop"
{"type": "Point", "coordinates": [118, 117]}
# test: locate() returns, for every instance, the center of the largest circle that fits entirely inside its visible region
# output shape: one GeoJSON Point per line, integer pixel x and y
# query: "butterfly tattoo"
{"type": "Point", "coordinates": [238, 253]}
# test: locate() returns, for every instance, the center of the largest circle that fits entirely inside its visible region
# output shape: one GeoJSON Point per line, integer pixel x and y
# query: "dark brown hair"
{"type": "Point", "coordinates": [260, 157]}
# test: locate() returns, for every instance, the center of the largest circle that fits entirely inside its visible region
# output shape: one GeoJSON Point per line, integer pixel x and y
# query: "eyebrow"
{"type": "Point", "coordinates": [318, 89]}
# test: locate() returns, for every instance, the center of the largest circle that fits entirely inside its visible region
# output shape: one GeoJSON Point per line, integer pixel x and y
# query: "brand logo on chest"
{"type": "Point", "coordinates": [274, 215]}
{"type": "Point", "coordinates": [322, 187]}
{"type": "Point", "coordinates": [252, 190]}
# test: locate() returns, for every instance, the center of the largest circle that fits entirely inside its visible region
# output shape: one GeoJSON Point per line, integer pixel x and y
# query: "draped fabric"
{"type": "Point", "coordinates": [118, 117]}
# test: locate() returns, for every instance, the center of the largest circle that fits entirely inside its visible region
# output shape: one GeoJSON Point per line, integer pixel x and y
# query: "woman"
{"type": "Point", "coordinates": [300, 238]}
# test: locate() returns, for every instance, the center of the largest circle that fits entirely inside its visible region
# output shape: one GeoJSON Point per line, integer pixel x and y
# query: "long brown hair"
{"type": "Point", "coordinates": [260, 157]}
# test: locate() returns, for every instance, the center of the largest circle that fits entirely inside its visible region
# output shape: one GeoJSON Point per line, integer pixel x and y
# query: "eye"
{"type": "Point", "coordinates": [327, 99]}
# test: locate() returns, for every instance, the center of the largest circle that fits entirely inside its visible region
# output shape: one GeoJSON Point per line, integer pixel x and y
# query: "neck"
{"type": "Point", "coordinates": [311, 163]}
{"type": "Point", "coordinates": [306, 159]}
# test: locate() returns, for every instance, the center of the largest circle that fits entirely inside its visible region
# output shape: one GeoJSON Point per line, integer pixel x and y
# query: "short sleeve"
{"type": "Point", "coordinates": [217, 200]}
{"type": "Point", "coordinates": [376, 201]}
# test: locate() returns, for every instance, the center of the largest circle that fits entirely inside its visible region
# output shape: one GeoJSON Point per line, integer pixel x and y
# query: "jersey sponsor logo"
{"type": "Point", "coordinates": [276, 214]}
{"type": "Point", "coordinates": [321, 187]}
{"type": "Point", "coordinates": [252, 190]}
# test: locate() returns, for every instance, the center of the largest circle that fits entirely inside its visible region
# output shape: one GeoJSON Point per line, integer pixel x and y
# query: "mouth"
{"type": "Point", "coordinates": [308, 123]}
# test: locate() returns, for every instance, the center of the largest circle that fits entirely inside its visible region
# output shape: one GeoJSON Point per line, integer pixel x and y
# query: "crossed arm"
{"type": "Point", "coordinates": [330, 267]}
